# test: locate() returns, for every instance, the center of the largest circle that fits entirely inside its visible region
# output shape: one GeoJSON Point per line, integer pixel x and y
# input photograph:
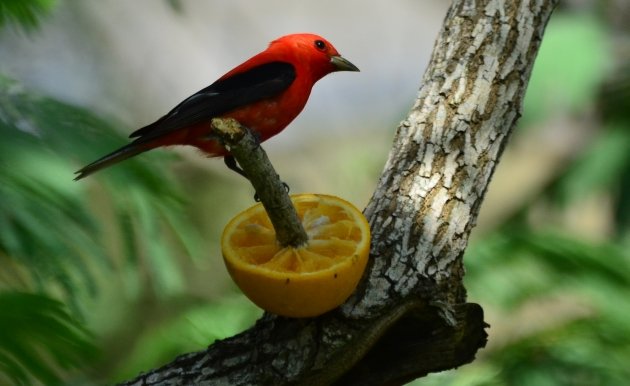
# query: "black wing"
{"type": "Point", "coordinates": [264, 81]}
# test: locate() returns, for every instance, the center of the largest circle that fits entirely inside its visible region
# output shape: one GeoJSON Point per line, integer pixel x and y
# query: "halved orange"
{"type": "Point", "coordinates": [305, 281]}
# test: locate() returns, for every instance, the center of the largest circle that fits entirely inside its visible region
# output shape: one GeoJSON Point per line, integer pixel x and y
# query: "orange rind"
{"type": "Point", "coordinates": [305, 281]}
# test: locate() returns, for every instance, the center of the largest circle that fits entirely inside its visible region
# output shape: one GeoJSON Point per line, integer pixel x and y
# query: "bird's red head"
{"type": "Point", "coordinates": [313, 52]}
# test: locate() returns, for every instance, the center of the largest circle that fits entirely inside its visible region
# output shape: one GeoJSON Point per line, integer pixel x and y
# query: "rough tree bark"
{"type": "Point", "coordinates": [409, 316]}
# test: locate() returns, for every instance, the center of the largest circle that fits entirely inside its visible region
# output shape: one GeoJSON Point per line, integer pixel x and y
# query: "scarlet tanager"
{"type": "Point", "coordinates": [265, 94]}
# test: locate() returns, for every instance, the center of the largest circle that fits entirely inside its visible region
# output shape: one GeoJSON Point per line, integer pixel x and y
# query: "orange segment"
{"type": "Point", "coordinates": [305, 281]}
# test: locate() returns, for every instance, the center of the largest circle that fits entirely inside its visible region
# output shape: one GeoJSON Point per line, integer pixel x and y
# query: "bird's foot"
{"type": "Point", "coordinates": [230, 162]}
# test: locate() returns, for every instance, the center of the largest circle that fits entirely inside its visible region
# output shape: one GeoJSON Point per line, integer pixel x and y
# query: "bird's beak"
{"type": "Point", "coordinates": [342, 64]}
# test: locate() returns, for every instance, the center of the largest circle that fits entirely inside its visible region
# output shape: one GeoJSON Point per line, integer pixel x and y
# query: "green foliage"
{"type": "Point", "coordinates": [614, 97]}
{"type": "Point", "coordinates": [590, 281]}
{"type": "Point", "coordinates": [614, 103]}
{"type": "Point", "coordinates": [517, 269]}
{"type": "Point", "coordinates": [25, 13]}
{"type": "Point", "coordinates": [572, 62]}
{"type": "Point", "coordinates": [39, 339]}
{"type": "Point", "coordinates": [192, 330]}
{"type": "Point", "coordinates": [599, 169]}
{"type": "Point", "coordinates": [53, 237]}
{"type": "Point", "coordinates": [49, 224]}
{"type": "Point", "coordinates": [36, 199]}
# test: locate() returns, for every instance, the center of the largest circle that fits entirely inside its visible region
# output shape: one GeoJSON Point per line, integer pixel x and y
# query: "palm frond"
{"type": "Point", "coordinates": [39, 340]}
{"type": "Point", "coordinates": [63, 231]}
{"type": "Point", "coordinates": [26, 13]}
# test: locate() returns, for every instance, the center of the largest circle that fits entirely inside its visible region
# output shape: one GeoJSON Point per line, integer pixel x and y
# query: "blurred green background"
{"type": "Point", "coordinates": [121, 272]}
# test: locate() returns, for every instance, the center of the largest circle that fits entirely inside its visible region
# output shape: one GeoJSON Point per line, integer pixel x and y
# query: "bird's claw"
{"type": "Point", "coordinates": [231, 163]}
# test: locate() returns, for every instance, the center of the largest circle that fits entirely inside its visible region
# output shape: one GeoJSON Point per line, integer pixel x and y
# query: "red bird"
{"type": "Point", "coordinates": [265, 94]}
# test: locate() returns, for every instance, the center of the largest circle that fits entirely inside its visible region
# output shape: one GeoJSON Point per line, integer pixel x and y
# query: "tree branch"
{"type": "Point", "coordinates": [408, 317]}
{"type": "Point", "coordinates": [263, 177]}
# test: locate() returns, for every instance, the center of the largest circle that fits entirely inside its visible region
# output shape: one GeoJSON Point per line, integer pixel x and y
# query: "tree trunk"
{"type": "Point", "coordinates": [409, 316]}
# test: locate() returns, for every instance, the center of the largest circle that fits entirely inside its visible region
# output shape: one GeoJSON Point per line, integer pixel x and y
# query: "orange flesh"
{"type": "Point", "coordinates": [331, 233]}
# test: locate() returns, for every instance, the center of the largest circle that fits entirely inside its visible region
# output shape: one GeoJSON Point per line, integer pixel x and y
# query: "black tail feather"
{"type": "Point", "coordinates": [121, 154]}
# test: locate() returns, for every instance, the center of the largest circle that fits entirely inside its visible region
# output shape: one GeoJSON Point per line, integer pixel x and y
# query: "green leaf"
{"type": "Point", "coordinates": [39, 339]}
{"type": "Point", "coordinates": [572, 62]}
{"type": "Point", "coordinates": [26, 13]}
{"type": "Point", "coordinates": [62, 231]}
{"type": "Point", "coordinates": [193, 330]}
{"type": "Point", "coordinates": [519, 268]}
{"type": "Point", "coordinates": [598, 169]}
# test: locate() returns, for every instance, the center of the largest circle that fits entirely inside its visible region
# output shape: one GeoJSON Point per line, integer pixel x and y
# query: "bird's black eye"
{"type": "Point", "coordinates": [320, 45]}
